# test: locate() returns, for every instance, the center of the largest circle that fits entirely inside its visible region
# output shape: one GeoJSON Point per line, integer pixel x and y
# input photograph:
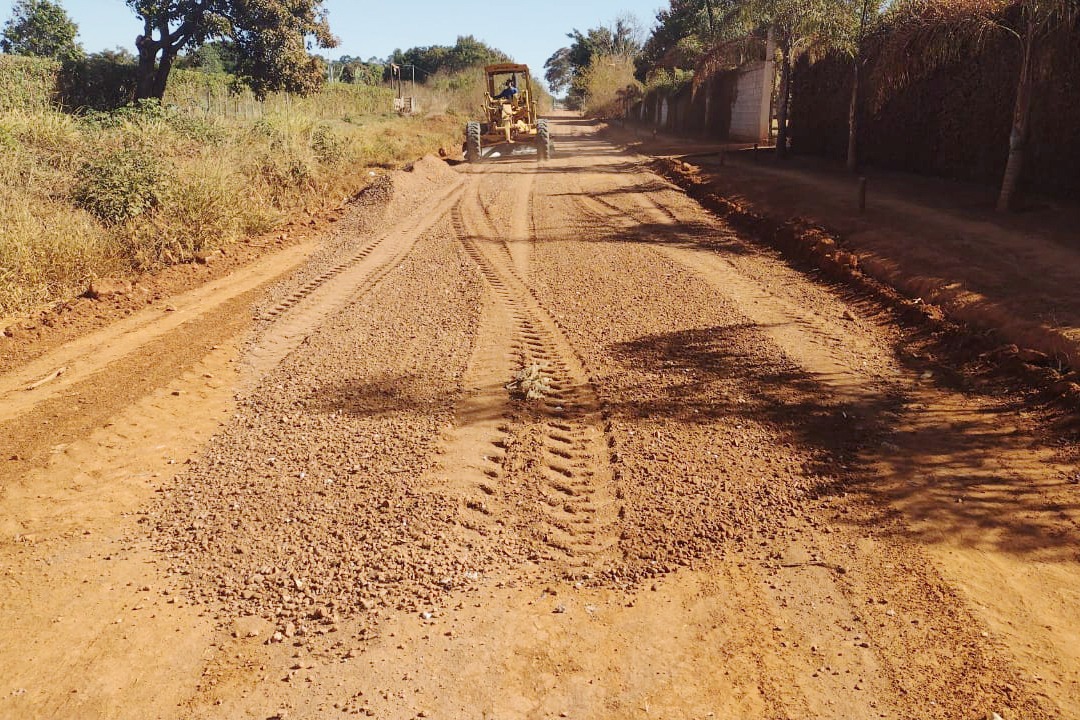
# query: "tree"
{"type": "Point", "coordinates": [609, 85]}
{"type": "Point", "coordinates": [116, 56]}
{"type": "Point", "coordinates": [359, 72]}
{"type": "Point", "coordinates": [216, 56]}
{"type": "Point", "coordinates": [41, 28]}
{"type": "Point", "coordinates": [851, 43]}
{"type": "Point", "coordinates": [619, 41]}
{"type": "Point", "coordinates": [843, 31]}
{"type": "Point", "coordinates": [558, 71]}
{"type": "Point", "coordinates": [929, 34]}
{"type": "Point", "coordinates": [683, 32]}
{"type": "Point", "coordinates": [466, 53]}
{"type": "Point", "coordinates": [270, 38]}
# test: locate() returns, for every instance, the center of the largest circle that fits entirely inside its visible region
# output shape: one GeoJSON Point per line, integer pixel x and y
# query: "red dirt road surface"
{"type": "Point", "coordinates": [306, 491]}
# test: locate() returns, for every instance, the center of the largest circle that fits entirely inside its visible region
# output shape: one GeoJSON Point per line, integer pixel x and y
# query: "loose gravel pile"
{"type": "Point", "coordinates": [322, 498]}
{"type": "Point", "coordinates": [389, 197]}
{"type": "Point", "coordinates": [310, 505]}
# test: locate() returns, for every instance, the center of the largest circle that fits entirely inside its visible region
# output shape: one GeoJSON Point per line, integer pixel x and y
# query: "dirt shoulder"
{"type": "Point", "coordinates": [109, 300]}
{"type": "Point", "coordinates": [1011, 278]}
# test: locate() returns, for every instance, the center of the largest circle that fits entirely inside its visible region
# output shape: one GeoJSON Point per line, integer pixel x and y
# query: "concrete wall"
{"type": "Point", "coordinates": [734, 105]}
{"type": "Point", "coordinates": [750, 113]}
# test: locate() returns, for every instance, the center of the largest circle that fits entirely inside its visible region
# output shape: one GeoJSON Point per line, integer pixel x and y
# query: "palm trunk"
{"type": "Point", "coordinates": [853, 121]}
{"type": "Point", "coordinates": [782, 109]}
{"type": "Point", "coordinates": [853, 108]}
{"type": "Point", "coordinates": [1019, 134]}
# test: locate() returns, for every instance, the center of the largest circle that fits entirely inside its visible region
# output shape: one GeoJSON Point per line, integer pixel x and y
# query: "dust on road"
{"type": "Point", "coordinates": [731, 500]}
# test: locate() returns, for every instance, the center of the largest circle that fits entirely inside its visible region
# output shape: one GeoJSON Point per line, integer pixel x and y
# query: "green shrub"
{"type": "Point", "coordinates": [198, 130]}
{"type": "Point", "coordinates": [197, 213]}
{"type": "Point", "coordinates": [97, 83]}
{"type": "Point", "coordinates": [138, 113]}
{"type": "Point", "coordinates": [122, 185]}
{"type": "Point", "coordinates": [285, 172]}
{"type": "Point", "coordinates": [328, 146]}
{"type": "Point", "coordinates": [7, 139]}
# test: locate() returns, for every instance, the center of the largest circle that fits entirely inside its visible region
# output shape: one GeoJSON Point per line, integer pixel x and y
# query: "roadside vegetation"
{"type": "Point", "coordinates": [450, 77]}
{"type": "Point", "coordinates": [114, 164]}
{"type": "Point", "coordinates": [596, 71]}
{"type": "Point", "coordinates": [110, 193]}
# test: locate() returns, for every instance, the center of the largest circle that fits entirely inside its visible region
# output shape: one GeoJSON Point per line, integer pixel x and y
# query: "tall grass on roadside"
{"type": "Point", "coordinates": [44, 240]}
{"type": "Point", "coordinates": [216, 94]}
{"type": "Point", "coordinates": [107, 194]}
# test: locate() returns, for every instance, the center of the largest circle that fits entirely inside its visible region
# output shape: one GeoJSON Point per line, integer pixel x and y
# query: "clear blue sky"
{"type": "Point", "coordinates": [529, 31]}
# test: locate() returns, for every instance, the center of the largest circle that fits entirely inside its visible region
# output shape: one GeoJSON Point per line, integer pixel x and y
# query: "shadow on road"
{"type": "Point", "coordinates": [937, 466]}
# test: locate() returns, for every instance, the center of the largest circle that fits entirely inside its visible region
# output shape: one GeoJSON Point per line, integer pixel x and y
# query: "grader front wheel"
{"type": "Point", "coordinates": [472, 142]}
{"type": "Point", "coordinates": [544, 147]}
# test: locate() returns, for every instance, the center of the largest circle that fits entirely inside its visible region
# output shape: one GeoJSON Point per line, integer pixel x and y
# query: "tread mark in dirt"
{"type": "Point", "coordinates": [290, 320]}
{"type": "Point", "coordinates": [818, 340]}
{"type": "Point", "coordinates": [576, 503]}
{"type": "Point", "coordinates": [483, 414]}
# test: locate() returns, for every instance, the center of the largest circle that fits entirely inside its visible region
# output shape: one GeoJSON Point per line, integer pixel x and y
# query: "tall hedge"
{"type": "Point", "coordinates": [95, 83]}
{"type": "Point", "coordinates": [26, 83]}
{"type": "Point", "coordinates": [954, 123]}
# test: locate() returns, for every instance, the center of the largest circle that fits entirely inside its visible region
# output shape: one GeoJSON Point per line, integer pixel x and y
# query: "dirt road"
{"type": "Point", "coordinates": [308, 492]}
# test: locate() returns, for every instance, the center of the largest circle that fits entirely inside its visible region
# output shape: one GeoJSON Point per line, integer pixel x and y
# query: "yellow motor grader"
{"type": "Point", "coordinates": [510, 117]}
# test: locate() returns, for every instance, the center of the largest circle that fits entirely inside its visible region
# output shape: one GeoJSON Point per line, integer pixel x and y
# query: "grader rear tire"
{"type": "Point", "coordinates": [544, 147]}
{"type": "Point", "coordinates": [472, 142]}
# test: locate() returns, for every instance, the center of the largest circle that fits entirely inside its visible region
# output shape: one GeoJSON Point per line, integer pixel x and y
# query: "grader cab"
{"type": "Point", "coordinates": [509, 113]}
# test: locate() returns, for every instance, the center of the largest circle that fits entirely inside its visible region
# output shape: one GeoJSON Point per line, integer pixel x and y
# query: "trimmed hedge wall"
{"type": "Point", "coordinates": [97, 83]}
{"type": "Point", "coordinates": [26, 83]}
{"type": "Point", "coordinates": [954, 123]}
{"type": "Point", "coordinates": [93, 83]}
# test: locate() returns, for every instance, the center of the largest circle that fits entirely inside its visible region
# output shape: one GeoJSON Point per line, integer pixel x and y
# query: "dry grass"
{"type": "Point", "coordinates": [529, 383]}
{"type": "Point", "coordinates": [74, 206]}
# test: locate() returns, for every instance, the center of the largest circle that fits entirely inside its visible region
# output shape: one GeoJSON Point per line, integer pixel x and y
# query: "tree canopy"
{"type": "Point", "coordinates": [467, 52]}
{"type": "Point", "coordinates": [620, 40]}
{"type": "Point", "coordinates": [216, 56]}
{"type": "Point", "coordinates": [360, 72]}
{"type": "Point", "coordinates": [684, 32]}
{"type": "Point", "coordinates": [40, 28]}
{"type": "Point", "coordinates": [270, 37]}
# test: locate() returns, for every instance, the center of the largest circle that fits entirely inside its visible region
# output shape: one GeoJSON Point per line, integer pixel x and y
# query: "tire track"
{"type": "Point", "coordinates": [294, 318]}
{"type": "Point", "coordinates": [471, 466]}
{"type": "Point", "coordinates": [562, 436]}
{"type": "Point", "coordinates": [813, 342]}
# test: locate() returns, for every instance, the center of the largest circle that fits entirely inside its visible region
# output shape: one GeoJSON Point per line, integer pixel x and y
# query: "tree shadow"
{"type": "Point", "coordinates": [934, 468]}
{"type": "Point", "coordinates": [379, 397]}
{"type": "Point", "coordinates": [688, 235]}
{"type": "Point", "coordinates": [397, 394]}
